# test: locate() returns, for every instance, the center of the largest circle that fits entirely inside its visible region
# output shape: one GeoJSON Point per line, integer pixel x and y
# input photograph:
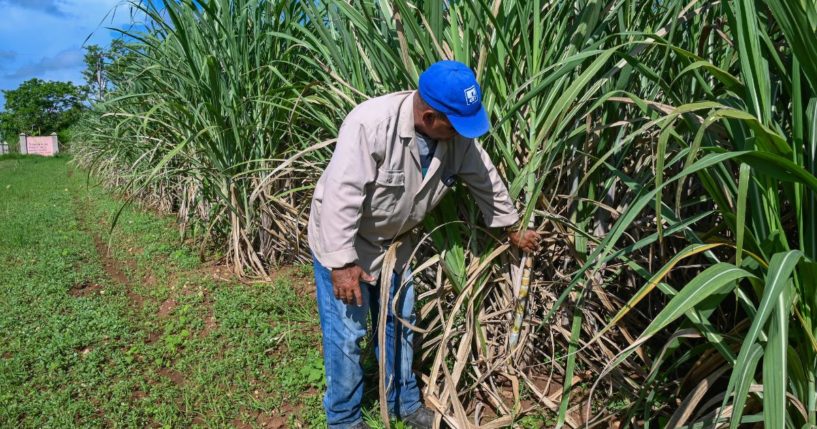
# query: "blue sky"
{"type": "Point", "coordinates": [44, 38]}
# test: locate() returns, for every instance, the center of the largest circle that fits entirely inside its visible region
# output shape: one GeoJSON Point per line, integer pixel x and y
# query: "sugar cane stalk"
{"type": "Point", "coordinates": [522, 295]}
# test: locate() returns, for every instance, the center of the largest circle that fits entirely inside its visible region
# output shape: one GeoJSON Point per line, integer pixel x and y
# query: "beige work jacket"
{"type": "Point", "coordinates": [373, 189]}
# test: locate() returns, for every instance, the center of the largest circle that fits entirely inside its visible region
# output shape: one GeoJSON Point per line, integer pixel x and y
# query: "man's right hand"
{"type": "Point", "coordinates": [346, 283]}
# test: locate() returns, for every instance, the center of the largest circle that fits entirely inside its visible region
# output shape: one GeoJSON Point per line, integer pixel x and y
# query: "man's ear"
{"type": "Point", "coordinates": [428, 117]}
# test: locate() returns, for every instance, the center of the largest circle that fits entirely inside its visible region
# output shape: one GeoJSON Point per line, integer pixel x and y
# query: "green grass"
{"type": "Point", "coordinates": [146, 337]}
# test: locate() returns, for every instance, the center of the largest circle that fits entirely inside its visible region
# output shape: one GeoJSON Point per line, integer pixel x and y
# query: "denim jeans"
{"type": "Point", "coordinates": [343, 327]}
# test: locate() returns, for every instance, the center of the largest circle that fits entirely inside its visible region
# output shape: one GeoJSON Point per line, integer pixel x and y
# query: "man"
{"type": "Point", "coordinates": [396, 157]}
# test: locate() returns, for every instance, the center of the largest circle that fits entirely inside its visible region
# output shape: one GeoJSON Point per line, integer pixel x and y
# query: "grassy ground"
{"type": "Point", "coordinates": [130, 329]}
{"type": "Point", "coordinates": [141, 334]}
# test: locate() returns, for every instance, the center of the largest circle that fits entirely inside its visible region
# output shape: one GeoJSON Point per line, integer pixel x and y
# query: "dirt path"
{"type": "Point", "coordinates": [114, 268]}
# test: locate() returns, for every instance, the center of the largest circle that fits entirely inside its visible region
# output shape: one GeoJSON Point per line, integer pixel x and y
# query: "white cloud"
{"type": "Point", "coordinates": [44, 38]}
{"type": "Point", "coordinates": [51, 7]}
{"type": "Point", "coordinates": [62, 8]}
{"type": "Point", "coordinates": [68, 59]}
{"type": "Point", "coordinates": [37, 30]}
{"type": "Point", "coordinates": [7, 55]}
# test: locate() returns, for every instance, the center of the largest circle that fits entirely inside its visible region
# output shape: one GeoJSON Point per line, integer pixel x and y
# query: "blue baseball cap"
{"type": "Point", "coordinates": [451, 88]}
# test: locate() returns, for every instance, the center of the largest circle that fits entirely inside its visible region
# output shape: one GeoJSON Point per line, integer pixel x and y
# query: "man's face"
{"type": "Point", "coordinates": [437, 126]}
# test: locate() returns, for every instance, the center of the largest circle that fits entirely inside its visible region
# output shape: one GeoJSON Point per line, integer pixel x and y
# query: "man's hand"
{"type": "Point", "coordinates": [527, 241]}
{"type": "Point", "coordinates": [346, 283]}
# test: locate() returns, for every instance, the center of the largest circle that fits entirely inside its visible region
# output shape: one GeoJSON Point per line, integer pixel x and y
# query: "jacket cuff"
{"type": "Point", "coordinates": [339, 258]}
{"type": "Point", "coordinates": [502, 220]}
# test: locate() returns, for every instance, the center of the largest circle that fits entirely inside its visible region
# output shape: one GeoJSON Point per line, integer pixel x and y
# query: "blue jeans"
{"type": "Point", "coordinates": [343, 327]}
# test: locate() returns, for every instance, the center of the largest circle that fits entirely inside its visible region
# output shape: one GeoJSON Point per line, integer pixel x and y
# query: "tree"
{"type": "Point", "coordinates": [103, 67]}
{"type": "Point", "coordinates": [94, 72]}
{"type": "Point", "coordinates": [40, 107]}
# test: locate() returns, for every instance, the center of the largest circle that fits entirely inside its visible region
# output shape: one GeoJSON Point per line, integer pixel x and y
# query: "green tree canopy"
{"type": "Point", "coordinates": [40, 107]}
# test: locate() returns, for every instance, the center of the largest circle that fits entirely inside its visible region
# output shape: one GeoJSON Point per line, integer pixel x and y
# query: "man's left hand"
{"type": "Point", "coordinates": [528, 241]}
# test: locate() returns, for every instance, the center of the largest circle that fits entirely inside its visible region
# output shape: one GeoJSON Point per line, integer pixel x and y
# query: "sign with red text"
{"type": "Point", "coordinates": [41, 145]}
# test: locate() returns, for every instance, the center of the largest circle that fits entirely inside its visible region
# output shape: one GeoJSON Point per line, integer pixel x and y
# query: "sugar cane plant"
{"type": "Point", "coordinates": [668, 148]}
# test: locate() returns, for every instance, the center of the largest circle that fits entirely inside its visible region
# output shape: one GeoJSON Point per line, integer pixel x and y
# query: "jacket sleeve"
{"type": "Point", "coordinates": [493, 199]}
{"type": "Point", "coordinates": [353, 166]}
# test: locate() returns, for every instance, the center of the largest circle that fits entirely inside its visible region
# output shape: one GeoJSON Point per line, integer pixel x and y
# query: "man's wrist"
{"type": "Point", "coordinates": [516, 226]}
{"type": "Point", "coordinates": [350, 264]}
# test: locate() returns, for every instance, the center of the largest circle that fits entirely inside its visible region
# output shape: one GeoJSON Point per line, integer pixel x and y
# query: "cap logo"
{"type": "Point", "coordinates": [471, 95]}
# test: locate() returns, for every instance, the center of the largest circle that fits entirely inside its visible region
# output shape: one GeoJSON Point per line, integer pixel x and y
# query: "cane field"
{"type": "Point", "coordinates": [158, 275]}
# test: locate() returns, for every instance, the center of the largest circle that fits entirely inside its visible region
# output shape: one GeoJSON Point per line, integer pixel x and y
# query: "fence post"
{"type": "Point", "coordinates": [23, 146]}
{"type": "Point", "coordinates": [55, 143]}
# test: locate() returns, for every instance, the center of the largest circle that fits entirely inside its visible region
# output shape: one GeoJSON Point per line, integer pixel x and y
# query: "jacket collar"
{"type": "Point", "coordinates": [408, 135]}
{"type": "Point", "coordinates": [406, 117]}
{"type": "Point", "coordinates": [436, 164]}
{"type": "Point", "coordinates": [405, 130]}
